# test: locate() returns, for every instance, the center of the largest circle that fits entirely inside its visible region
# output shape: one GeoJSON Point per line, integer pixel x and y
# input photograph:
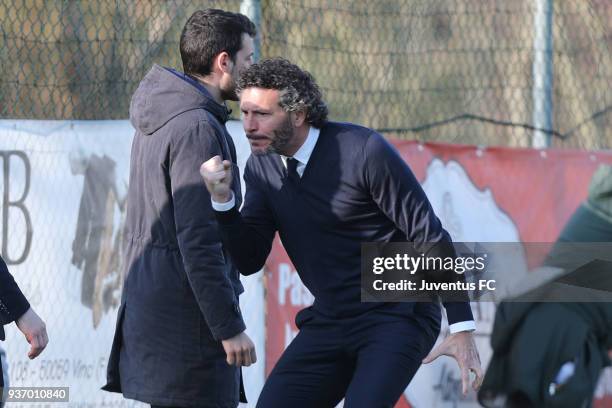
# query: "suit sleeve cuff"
{"type": "Point", "coordinates": [222, 207]}
{"type": "Point", "coordinates": [469, 325]}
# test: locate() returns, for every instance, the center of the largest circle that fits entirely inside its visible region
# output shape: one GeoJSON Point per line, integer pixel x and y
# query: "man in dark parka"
{"type": "Point", "coordinates": [180, 337]}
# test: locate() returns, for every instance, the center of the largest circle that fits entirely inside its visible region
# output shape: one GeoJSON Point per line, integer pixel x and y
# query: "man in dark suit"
{"type": "Point", "coordinates": [14, 307]}
{"type": "Point", "coordinates": [327, 187]}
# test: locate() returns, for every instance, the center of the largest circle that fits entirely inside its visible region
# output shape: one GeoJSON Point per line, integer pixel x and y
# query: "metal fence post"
{"type": "Point", "coordinates": [252, 9]}
{"type": "Point", "coordinates": [542, 73]}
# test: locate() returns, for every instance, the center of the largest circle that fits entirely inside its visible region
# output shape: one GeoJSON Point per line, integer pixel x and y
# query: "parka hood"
{"type": "Point", "coordinates": [164, 94]}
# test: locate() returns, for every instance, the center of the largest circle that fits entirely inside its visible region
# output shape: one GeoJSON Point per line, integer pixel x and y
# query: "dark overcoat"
{"type": "Point", "coordinates": [180, 294]}
{"type": "Point", "coordinates": [12, 303]}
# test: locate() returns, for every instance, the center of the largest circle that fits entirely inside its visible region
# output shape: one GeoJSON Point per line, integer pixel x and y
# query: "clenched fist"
{"type": "Point", "coordinates": [240, 350]}
{"type": "Point", "coordinates": [217, 175]}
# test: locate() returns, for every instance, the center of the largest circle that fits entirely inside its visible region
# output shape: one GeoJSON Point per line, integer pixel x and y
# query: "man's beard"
{"type": "Point", "coordinates": [282, 137]}
{"type": "Point", "coordinates": [229, 93]}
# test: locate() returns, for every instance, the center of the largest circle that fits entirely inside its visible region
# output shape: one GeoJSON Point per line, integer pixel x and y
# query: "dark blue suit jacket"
{"type": "Point", "coordinates": [356, 188]}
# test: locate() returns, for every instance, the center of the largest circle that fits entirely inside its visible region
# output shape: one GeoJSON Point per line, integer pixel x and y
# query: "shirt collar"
{"type": "Point", "coordinates": [305, 151]}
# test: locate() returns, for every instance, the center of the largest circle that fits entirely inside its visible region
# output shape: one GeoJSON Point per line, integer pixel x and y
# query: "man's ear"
{"type": "Point", "coordinates": [298, 118]}
{"type": "Point", "coordinates": [224, 63]}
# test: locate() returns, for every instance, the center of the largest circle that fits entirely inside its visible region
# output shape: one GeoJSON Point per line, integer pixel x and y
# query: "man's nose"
{"type": "Point", "coordinates": [249, 123]}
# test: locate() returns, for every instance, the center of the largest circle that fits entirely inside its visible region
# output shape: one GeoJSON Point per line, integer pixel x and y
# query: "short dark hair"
{"type": "Point", "coordinates": [208, 33]}
{"type": "Point", "coordinates": [298, 89]}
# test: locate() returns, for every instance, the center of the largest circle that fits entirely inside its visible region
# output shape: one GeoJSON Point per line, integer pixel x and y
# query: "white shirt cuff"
{"type": "Point", "coordinates": [221, 207]}
{"type": "Point", "coordinates": [469, 325]}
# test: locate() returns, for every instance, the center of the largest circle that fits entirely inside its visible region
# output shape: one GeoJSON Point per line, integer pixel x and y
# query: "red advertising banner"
{"type": "Point", "coordinates": [480, 195]}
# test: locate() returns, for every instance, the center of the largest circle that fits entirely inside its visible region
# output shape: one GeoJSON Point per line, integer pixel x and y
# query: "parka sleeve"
{"type": "Point", "coordinates": [197, 231]}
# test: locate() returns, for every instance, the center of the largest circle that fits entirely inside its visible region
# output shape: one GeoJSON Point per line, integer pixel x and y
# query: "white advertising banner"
{"type": "Point", "coordinates": [63, 186]}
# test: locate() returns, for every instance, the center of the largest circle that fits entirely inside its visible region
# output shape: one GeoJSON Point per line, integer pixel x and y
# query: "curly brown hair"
{"type": "Point", "coordinates": [298, 89]}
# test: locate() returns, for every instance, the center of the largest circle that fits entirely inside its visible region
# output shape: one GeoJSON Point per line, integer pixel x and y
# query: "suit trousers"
{"type": "Point", "coordinates": [367, 359]}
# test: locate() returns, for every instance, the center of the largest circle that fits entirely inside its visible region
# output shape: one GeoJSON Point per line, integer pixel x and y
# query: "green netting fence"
{"type": "Point", "coordinates": [489, 72]}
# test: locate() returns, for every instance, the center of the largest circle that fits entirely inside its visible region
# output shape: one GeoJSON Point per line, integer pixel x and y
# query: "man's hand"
{"type": "Point", "coordinates": [462, 348]}
{"type": "Point", "coordinates": [217, 175]}
{"type": "Point", "coordinates": [240, 350]}
{"type": "Point", "coordinates": [35, 331]}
